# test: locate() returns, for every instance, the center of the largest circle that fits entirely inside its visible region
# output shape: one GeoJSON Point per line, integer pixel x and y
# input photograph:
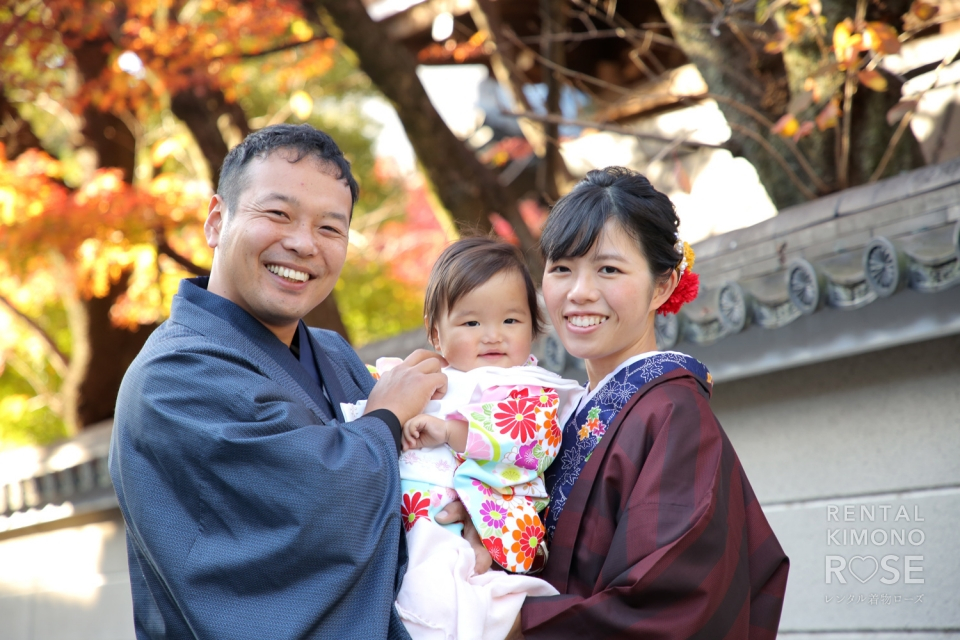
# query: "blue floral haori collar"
{"type": "Point", "coordinates": [585, 428]}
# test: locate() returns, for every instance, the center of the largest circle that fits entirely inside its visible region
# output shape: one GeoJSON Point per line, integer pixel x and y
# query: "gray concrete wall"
{"type": "Point", "coordinates": [66, 580]}
{"type": "Point", "coordinates": [871, 431]}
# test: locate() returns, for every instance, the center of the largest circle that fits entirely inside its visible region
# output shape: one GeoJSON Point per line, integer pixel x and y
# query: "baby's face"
{"type": "Point", "coordinates": [490, 326]}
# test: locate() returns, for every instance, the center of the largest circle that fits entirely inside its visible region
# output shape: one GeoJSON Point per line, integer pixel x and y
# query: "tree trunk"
{"type": "Point", "coordinates": [466, 187]}
{"type": "Point", "coordinates": [552, 21]}
{"type": "Point", "coordinates": [200, 108]}
{"type": "Point", "coordinates": [743, 78]}
{"type": "Point", "coordinates": [15, 133]}
{"type": "Point", "coordinates": [111, 352]}
{"type": "Point", "coordinates": [326, 315]}
{"type": "Point", "coordinates": [111, 349]}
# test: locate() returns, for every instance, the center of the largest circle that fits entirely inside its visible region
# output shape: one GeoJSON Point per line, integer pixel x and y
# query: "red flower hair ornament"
{"type": "Point", "coordinates": [689, 285]}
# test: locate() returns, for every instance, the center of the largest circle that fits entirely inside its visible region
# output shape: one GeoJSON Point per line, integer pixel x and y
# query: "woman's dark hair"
{"type": "Point", "coordinates": [646, 215]}
{"type": "Point", "coordinates": [467, 264]}
{"type": "Point", "coordinates": [302, 140]}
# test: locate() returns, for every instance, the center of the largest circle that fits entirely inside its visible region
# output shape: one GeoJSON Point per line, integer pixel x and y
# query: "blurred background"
{"type": "Point", "coordinates": [810, 146]}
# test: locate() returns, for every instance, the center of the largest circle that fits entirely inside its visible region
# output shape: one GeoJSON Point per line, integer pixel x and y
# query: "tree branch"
{"type": "Point", "coordinates": [804, 189]}
{"type": "Point", "coordinates": [821, 186]}
{"type": "Point", "coordinates": [46, 337]}
{"type": "Point", "coordinates": [905, 121]}
{"type": "Point", "coordinates": [570, 36]}
{"type": "Point", "coordinates": [278, 49]}
{"type": "Point", "coordinates": [165, 249]}
{"type": "Point", "coordinates": [613, 129]}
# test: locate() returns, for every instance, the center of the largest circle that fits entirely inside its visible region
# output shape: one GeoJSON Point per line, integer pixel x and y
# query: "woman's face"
{"type": "Point", "coordinates": [602, 304]}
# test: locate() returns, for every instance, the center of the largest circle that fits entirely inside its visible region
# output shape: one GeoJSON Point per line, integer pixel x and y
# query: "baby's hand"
{"type": "Point", "coordinates": [424, 431]}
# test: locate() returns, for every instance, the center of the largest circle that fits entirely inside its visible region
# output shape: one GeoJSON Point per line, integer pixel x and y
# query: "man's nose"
{"type": "Point", "coordinates": [300, 239]}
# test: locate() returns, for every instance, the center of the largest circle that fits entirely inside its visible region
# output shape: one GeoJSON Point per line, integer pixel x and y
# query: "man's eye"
{"type": "Point", "coordinates": [277, 212]}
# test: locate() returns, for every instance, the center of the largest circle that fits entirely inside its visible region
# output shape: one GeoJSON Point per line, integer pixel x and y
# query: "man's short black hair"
{"type": "Point", "coordinates": [302, 140]}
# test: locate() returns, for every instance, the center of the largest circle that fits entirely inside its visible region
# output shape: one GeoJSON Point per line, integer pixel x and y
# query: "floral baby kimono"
{"type": "Point", "coordinates": [514, 417]}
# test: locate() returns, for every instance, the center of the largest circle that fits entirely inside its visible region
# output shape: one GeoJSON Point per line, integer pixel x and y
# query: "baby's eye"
{"type": "Point", "coordinates": [471, 323]}
{"type": "Point", "coordinates": [511, 321]}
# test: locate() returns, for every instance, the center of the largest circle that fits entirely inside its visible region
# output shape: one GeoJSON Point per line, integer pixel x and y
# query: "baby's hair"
{"type": "Point", "coordinates": [467, 264]}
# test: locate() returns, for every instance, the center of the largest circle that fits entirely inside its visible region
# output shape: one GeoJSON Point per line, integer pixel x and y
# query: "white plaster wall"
{"type": "Point", "coordinates": [871, 430]}
{"type": "Point", "coordinates": [68, 583]}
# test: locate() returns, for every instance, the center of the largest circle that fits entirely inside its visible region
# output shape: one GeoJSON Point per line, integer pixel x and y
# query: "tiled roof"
{"type": "Point", "coordinates": [833, 255]}
{"type": "Point", "coordinates": [43, 484]}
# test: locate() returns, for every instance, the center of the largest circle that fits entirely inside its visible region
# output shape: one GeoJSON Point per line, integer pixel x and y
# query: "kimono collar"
{"type": "Point", "coordinates": [194, 290]}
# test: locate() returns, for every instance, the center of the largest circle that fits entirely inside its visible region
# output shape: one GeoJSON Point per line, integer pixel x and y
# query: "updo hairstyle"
{"type": "Point", "coordinates": [645, 214]}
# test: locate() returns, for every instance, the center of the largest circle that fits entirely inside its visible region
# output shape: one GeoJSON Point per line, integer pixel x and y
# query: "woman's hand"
{"type": "Point", "coordinates": [456, 512]}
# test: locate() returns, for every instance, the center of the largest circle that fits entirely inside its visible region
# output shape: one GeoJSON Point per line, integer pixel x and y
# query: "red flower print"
{"type": "Point", "coordinates": [519, 393]}
{"type": "Point", "coordinates": [495, 547]}
{"type": "Point", "coordinates": [516, 418]}
{"type": "Point", "coordinates": [548, 398]}
{"type": "Point", "coordinates": [526, 539]}
{"type": "Point", "coordinates": [413, 508]}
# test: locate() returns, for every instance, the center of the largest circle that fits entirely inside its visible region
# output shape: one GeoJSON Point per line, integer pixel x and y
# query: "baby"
{"type": "Point", "coordinates": [487, 442]}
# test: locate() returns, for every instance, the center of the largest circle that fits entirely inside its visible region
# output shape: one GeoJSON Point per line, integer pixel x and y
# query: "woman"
{"type": "Point", "coordinates": [654, 530]}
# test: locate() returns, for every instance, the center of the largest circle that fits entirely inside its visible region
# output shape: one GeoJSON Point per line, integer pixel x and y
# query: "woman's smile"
{"type": "Point", "coordinates": [580, 321]}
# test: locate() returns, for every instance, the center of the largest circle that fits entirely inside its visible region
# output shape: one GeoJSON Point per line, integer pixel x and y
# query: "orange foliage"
{"type": "Point", "coordinates": [106, 228]}
{"type": "Point", "coordinates": [100, 231]}
{"type": "Point", "coordinates": [857, 48]}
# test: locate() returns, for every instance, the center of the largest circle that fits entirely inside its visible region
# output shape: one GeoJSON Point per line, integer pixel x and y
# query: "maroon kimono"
{"type": "Point", "coordinates": [661, 535]}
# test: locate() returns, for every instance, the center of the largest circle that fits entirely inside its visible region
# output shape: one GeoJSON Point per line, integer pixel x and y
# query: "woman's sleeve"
{"type": "Point", "coordinates": [685, 551]}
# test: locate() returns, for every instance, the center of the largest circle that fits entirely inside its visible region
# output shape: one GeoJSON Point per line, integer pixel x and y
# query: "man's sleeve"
{"type": "Point", "coordinates": [257, 521]}
{"type": "Point", "coordinates": [689, 557]}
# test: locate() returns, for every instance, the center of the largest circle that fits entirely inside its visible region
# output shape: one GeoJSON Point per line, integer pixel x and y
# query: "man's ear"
{"type": "Point", "coordinates": [663, 289]}
{"type": "Point", "coordinates": [216, 215]}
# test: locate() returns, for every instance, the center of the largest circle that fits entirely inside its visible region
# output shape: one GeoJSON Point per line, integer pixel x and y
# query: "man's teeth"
{"type": "Point", "coordinates": [290, 274]}
{"type": "Point", "coordinates": [586, 321]}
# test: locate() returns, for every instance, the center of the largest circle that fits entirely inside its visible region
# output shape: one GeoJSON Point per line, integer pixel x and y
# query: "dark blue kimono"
{"type": "Point", "coordinates": [251, 511]}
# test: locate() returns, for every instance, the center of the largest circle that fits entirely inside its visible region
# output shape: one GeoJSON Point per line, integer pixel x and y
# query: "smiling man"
{"type": "Point", "coordinates": [253, 510]}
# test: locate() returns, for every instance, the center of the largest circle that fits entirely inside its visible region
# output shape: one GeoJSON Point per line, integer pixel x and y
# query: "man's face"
{"type": "Point", "coordinates": [280, 252]}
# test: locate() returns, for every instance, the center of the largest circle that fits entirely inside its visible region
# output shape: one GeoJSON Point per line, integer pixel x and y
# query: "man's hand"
{"type": "Point", "coordinates": [456, 512]}
{"type": "Point", "coordinates": [406, 389]}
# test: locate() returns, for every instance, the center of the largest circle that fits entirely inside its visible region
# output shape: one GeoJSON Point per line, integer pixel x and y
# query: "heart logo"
{"type": "Point", "coordinates": [864, 567]}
